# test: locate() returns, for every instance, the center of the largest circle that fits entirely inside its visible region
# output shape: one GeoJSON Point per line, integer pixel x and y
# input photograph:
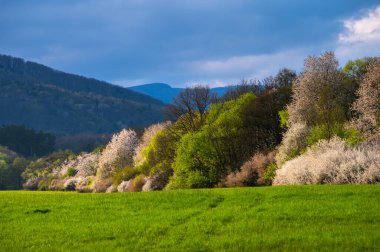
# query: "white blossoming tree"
{"type": "Point", "coordinates": [368, 102]}
{"type": "Point", "coordinates": [118, 153]}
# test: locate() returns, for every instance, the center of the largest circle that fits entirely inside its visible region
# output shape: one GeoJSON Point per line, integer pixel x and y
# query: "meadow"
{"type": "Point", "coordinates": [287, 218]}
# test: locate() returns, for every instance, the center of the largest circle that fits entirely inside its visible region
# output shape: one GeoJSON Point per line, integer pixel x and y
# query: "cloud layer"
{"type": "Point", "coordinates": [360, 37]}
{"type": "Point", "coordinates": [187, 41]}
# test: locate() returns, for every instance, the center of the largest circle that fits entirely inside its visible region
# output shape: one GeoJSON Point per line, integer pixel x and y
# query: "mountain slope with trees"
{"type": "Point", "coordinates": [166, 93]}
{"type": "Point", "coordinates": [46, 99]}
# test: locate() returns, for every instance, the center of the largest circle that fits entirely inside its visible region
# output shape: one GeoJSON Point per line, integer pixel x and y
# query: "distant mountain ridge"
{"type": "Point", "coordinates": [165, 93]}
{"type": "Point", "coordinates": [46, 99]}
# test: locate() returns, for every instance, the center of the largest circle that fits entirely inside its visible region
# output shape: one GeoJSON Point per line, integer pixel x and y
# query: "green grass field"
{"type": "Point", "coordinates": [343, 218]}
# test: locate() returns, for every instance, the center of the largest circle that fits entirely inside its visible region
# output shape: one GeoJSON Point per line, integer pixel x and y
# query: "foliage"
{"type": "Point", "coordinates": [233, 130]}
{"type": "Point", "coordinates": [71, 172]}
{"type": "Point", "coordinates": [281, 83]}
{"type": "Point", "coordinates": [138, 183]}
{"type": "Point", "coordinates": [84, 165]}
{"type": "Point", "coordinates": [191, 105]}
{"type": "Point", "coordinates": [11, 167]}
{"type": "Point", "coordinates": [85, 184]}
{"type": "Point", "coordinates": [320, 107]}
{"type": "Point", "coordinates": [159, 155]}
{"type": "Point", "coordinates": [357, 68]}
{"type": "Point", "coordinates": [318, 95]}
{"type": "Point", "coordinates": [125, 186]}
{"type": "Point", "coordinates": [145, 141]}
{"type": "Point", "coordinates": [284, 117]}
{"type": "Point", "coordinates": [42, 167]}
{"type": "Point", "coordinates": [100, 184]}
{"type": "Point", "coordinates": [118, 153]}
{"type": "Point", "coordinates": [231, 133]}
{"type": "Point", "coordinates": [270, 171]}
{"type": "Point", "coordinates": [125, 174]}
{"type": "Point", "coordinates": [368, 103]}
{"type": "Point", "coordinates": [25, 141]}
{"type": "Point", "coordinates": [251, 173]}
{"type": "Point", "coordinates": [319, 132]}
{"type": "Point", "coordinates": [293, 143]}
{"type": "Point", "coordinates": [196, 162]}
{"type": "Point", "coordinates": [157, 181]}
{"type": "Point", "coordinates": [333, 162]}
{"type": "Point", "coordinates": [46, 99]}
{"type": "Point", "coordinates": [3, 170]}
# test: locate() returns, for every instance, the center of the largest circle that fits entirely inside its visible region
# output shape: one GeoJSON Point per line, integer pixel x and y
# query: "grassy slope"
{"type": "Point", "coordinates": [242, 219]}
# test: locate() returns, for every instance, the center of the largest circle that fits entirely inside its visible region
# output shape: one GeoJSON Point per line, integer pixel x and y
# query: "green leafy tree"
{"type": "Point", "coordinates": [219, 147]}
{"type": "Point", "coordinates": [196, 163]}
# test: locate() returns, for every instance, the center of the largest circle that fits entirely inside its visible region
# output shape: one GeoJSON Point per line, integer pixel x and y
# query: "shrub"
{"type": "Point", "coordinates": [87, 164]}
{"type": "Point", "coordinates": [293, 143]}
{"type": "Point", "coordinates": [71, 172]}
{"type": "Point", "coordinates": [125, 186]}
{"type": "Point", "coordinates": [284, 117]}
{"type": "Point", "coordinates": [270, 172]}
{"type": "Point", "coordinates": [47, 165]}
{"type": "Point", "coordinates": [101, 185]}
{"type": "Point", "coordinates": [70, 184]}
{"type": "Point", "coordinates": [350, 135]}
{"type": "Point", "coordinates": [333, 162]}
{"type": "Point", "coordinates": [124, 175]}
{"type": "Point", "coordinates": [158, 181]}
{"type": "Point", "coordinates": [45, 181]}
{"type": "Point", "coordinates": [32, 183]}
{"type": "Point", "coordinates": [133, 185]}
{"type": "Point", "coordinates": [159, 155]}
{"type": "Point", "coordinates": [138, 183]}
{"type": "Point", "coordinates": [111, 189]}
{"type": "Point", "coordinates": [56, 184]}
{"type": "Point", "coordinates": [85, 184]}
{"type": "Point", "coordinates": [149, 134]}
{"type": "Point", "coordinates": [251, 173]}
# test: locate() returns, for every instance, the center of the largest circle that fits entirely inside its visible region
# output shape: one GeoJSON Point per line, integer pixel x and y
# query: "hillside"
{"type": "Point", "coordinates": [165, 92]}
{"type": "Point", "coordinates": [283, 218]}
{"type": "Point", "coordinates": [46, 99]}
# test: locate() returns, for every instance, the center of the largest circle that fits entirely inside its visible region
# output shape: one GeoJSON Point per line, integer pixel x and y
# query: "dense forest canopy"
{"type": "Point", "coordinates": [46, 99]}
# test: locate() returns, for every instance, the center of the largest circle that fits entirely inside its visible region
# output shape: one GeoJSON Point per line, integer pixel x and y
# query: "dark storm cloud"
{"type": "Point", "coordinates": [171, 41]}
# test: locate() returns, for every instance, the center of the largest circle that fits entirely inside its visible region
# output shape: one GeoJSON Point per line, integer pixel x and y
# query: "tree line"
{"type": "Point", "coordinates": [318, 126]}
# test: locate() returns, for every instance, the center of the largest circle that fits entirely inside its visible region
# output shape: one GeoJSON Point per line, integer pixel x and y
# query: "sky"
{"type": "Point", "coordinates": [186, 42]}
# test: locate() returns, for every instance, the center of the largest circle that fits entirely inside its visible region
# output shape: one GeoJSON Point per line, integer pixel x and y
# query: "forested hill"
{"type": "Point", "coordinates": [166, 93]}
{"type": "Point", "coordinates": [46, 99]}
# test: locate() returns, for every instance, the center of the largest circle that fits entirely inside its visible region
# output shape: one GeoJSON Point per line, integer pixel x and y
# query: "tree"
{"type": "Point", "coordinates": [368, 103]}
{"type": "Point", "coordinates": [357, 68]}
{"type": "Point", "coordinates": [318, 96]}
{"type": "Point", "coordinates": [244, 87]}
{"type": "Point", "coordinates": [191, 105]}
{"type": "Point", "coordinates": [149, 134]}
{"type": "Point", "coordinates": [284, 78]}
{"type": "Point", "coordinates": [219, 147]}
{"type": "Point", "coordinates": [18, 166]}
{"type": "Point", "coordinates": [118, 153]}
{"type": "Point", "coordinates": [25, 141]}
{"type": "Point", "coordinates": [196, 163]}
